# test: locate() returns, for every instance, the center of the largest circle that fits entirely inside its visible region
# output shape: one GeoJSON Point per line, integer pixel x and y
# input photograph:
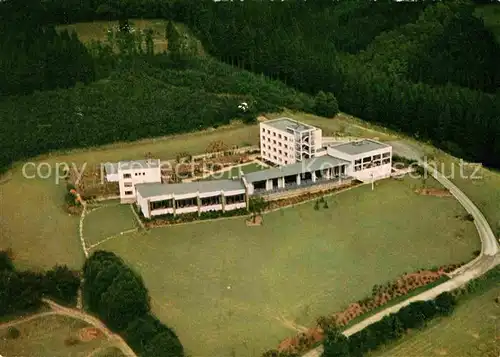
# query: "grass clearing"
{"type": "Point", "coordinates": [472, 331]}
{"type": "Point", "coordinates": [108, 221]}
{"type": "Point", "coordinates": [299, 265]}
{"type": "Point", "coordinates": [46, 337]}
{"type": "Point", "coordinates": [34, 224]}
{"type": "Point", "coordinates": [97, 31]}
{"type": "Point", "coordinates": [110, 352]}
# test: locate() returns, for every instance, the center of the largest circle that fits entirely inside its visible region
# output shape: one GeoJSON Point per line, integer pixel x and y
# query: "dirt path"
{"type": "Point", "coordinates": [26, 319]}
{"type": "Point", "coordinates": [57, 309]}
{"type": "Point", "coordinates": [112, 337]}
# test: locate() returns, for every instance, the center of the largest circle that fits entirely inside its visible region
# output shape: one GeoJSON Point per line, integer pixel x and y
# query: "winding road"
{"type": "Point", "coordinates": [487, 259]}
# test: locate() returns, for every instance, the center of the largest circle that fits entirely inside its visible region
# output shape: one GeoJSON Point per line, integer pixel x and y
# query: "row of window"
{"type": "Point", "coordinates": [207, 201]}
{"type": "Point", "coordinates": [127, 176]}
{"type": "Point", "coordinates": [367, 165]}
{"type": "Point", "coordinates": [274, 150]}
{"type": "Point", "coordinates": [274, 134]}
{"type": "Point", "coordinates": [274, 142]}
{"type": "Point", "coordinates": [275, 158]}
{"type": "Point", "coordinates": [372, 158]}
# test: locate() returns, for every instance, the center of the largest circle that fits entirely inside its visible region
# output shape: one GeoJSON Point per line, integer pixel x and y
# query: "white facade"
{"type": "Point", "coordinates": [285, 141]}
{"type": "Point", "coordinates": [130, 173]}
{"type": "Point", "coordinates": [368, 159]}
{"type": "Point", "coordinates": [160, 199]}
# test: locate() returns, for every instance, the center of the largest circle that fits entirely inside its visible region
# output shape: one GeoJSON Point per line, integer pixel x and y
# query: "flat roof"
{"type": "Point", "coordinates": [112, 168]}
{"type": "Point", "coordinates": [148, 190]}
{"type": "Point", "coordinates": [308, 165]}
{"type": "Point", "coordinates": [359, 147]}
{"type": "Point", "coordinates": [285, 123]}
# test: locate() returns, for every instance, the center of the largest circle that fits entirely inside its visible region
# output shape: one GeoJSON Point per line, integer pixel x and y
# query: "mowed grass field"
{"type": "Point", "coordinates": [32, 221]}
{"type": "Point", "coordinates": [472, 331]}
{"type": "Point", "coordinates": [45, 337]}
{"type": "Point", "coordinates": [108, 221]}
{"type": "Point", "coordinates": [228, 289]}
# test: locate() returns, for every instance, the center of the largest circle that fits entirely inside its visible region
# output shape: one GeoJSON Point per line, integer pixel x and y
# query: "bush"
{"type": "Point", "coordinates": [165, 344]}
{"type": "Point", "coordinates": [445, 303]}
{"type": "Point", "coordinates": [6, 260]}
{"type": "Point", "coordinates": [142, 330]}
{"type": "Point", "coordinates": [468, 217]}
{"type": "Point", "coordinates": [13, 333]}
{"type": "Point", "coordinates": [62, 284]}
{"type": "Point", "coordinates": [118, 296]}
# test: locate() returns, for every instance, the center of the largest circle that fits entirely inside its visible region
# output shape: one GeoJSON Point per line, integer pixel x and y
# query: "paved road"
{"type": "Point", "coordinates": [488, 259]}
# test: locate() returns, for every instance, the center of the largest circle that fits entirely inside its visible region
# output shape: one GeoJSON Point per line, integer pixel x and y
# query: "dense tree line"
{"type": "Point", "coordinates": [442, 45]}
{"type": "Point", "coordinates": [390, 328]}
{"type": "Point", "coordinates": [392, 63]}
{"type": "Point", "coordinates": [22, 291]}
{"type": "Point", "coordinates": [118, 296]}
{"type": "Point", "coordinates": [34, 56]}
{"type": "Point", "coordinates": [446, 44]}
{"type": "Point", "coordinates": [142, 97]}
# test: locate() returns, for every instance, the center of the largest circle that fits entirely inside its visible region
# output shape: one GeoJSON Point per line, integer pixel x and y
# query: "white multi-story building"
{"type": "Point", "coordinates": [130, 173]}
{"type": "Point", "coordinates": [368, 159]}
{"type": "Point", "coordinates": [294, 146]}
{"type": "Point", "coordinates": [285, 141]}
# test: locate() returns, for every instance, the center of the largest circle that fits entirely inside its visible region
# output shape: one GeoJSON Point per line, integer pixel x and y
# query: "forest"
{"type": "Point", "coordinates": [429, 69]}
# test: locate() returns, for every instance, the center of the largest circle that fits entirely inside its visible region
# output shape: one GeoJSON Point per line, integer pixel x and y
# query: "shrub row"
{"type": "Point", "coordinates": [388, 329]}
{"type": "Point", "coordinates": [117, 294]}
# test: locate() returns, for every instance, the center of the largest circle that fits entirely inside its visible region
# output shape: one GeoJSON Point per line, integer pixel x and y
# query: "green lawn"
{"type": "Point", "coordinates": [472, 331]}
{"type": "Point", "coordinates": [32, 220]}
{"type": "Point", "coordinates": [235, 172]}
{"type": "Point", "coordinates": [35, 226]}
{"type": "Point", "coordinates": [300, 264]}
{"type": "Point", "coordinates": [46, 336]}
{"type": "Point", "coordinates": [482, 187]}
{"type": "Point", "coordinates": [110, 352]}
{"type": "Point", "coordinates": [107, 221]}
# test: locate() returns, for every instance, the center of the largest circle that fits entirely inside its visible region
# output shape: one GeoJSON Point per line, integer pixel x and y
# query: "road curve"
{"type": "Point", "coordinates": [487, 259]}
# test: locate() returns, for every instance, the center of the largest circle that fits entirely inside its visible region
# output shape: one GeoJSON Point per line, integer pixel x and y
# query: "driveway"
{"type": "Point", "coordinates": [488, 258]}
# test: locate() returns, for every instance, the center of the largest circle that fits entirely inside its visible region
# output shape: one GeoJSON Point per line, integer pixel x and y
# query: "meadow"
{"type": "Point", "coordinates": [228, 289]}
{"type": "Point", "coordinates": [49, 336]}
{"type": "Point", "coordinates": [33, 219]}
{"type": "Point", "coordinates": [33, 222]}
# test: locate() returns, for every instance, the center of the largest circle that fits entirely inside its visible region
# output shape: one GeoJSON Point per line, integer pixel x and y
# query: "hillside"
{"type": "Point", "coordinates": [150, 97]}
